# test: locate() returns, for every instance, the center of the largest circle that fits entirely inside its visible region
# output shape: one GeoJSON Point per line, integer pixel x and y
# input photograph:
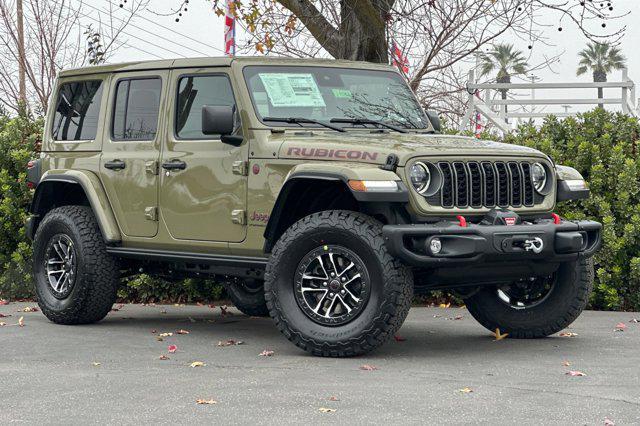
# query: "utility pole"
{"type": "Point", "coordinates": [22, 73]}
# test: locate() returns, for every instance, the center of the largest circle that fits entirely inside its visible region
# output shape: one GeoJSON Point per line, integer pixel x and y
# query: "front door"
{"type": "Point", "coordinates": [203, 183]}
{"type": "Point", "coordinates": [131, 150]}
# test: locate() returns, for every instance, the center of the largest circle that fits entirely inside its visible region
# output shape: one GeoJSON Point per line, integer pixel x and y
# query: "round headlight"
{"type": "Point", "coordinates": [420, 177]}
{"type": "Point", "coordinates": [538, 177]}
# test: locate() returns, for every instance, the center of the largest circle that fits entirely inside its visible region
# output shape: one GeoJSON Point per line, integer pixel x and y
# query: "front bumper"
{"type": "Point", "coordinates": [477, 244]}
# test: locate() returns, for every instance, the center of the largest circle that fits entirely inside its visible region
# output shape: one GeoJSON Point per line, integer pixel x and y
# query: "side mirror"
{"type": "Point", "coordinates": [435, 120]}
{"type": "Point", "coordinates": [217, 120]}
{"type": "Point", "coordinates": [220, 120]}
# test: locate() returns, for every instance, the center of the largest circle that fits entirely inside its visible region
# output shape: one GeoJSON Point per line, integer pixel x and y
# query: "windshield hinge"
{"type": "Point", "coordinates": [240, 167]}
{"type": "Point", "coordinates": [391, 164]}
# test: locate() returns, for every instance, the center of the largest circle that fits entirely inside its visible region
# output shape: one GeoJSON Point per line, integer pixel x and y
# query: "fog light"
{"type": "Point", "coordinates": [435, 246]}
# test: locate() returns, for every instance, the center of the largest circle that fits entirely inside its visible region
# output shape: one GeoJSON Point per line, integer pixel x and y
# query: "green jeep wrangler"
{"type": "Point", "coordinates": [318, 190]}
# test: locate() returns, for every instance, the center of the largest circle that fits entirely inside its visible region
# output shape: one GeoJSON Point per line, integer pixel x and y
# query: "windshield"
{"type": "Point", "coordinates": [333, 93]}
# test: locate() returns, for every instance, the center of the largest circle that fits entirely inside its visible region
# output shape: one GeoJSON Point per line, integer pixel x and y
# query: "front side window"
{"type": "Point", "coordinates": [194, 92]}
{"type": "Point", "coordinates": [325, 93]}
{"type": "Point", "coordinates": [77, 111]}
{"type": "Point", "coordinates": [137, 106]}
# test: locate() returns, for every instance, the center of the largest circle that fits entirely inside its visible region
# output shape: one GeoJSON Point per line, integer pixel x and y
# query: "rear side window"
{"type": "Point", "coordinates": [137, 104]}
{"type": "Point", "coordinates": [194, 92]}
{"type": "Point", "coordinates": [77, 111]}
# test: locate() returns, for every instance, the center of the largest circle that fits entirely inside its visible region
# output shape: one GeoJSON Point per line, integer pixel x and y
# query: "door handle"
{"type": "Point", "coordinates": [115, 165]}
{"type": "Point", "coordinates": [174, 164]}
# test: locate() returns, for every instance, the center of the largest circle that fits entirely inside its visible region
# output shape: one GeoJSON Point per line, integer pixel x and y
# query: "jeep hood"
{"type": "Point", "coordinates": [374, 148]}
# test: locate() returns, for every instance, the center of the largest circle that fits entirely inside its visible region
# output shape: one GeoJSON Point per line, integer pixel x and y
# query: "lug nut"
{"type": "Point", "coordinates": [331, 294]}
{"type": "Point", "coordinates": [342, 292]}
{"type": "Point", "coordinates": [333, 274]}
{"type": "Point", "coordinates": [324, 284]}
{"type": "Point", "coordinates": [343, 279]}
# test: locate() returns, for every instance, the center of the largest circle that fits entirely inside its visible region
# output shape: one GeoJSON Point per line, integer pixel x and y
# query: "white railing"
{"type": "Point", "coordinates": [495, 110]}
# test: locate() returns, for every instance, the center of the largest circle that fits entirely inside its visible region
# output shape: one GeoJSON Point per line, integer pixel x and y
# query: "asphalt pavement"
{"type": "Point", "coordinates": [443, 368]}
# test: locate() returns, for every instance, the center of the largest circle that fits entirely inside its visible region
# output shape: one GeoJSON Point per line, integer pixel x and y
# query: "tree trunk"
{"type": "Point", "coordinates": [363, 32]}
{"type": "Point", "coordinates": [600, 77]}
{"type": "Point", "coordinates": [503, 92]}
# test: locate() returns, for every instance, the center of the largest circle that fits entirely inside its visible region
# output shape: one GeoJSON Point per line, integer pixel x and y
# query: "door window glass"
{"type": "Point", "coordinates": [77, 111]}
{"type": "Point", "coordinates": [194, 92]}
{"type": "Point", "coordinates": [137, 106]}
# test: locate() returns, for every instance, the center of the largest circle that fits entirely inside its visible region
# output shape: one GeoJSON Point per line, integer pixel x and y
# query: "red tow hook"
{"type": "Point", "coordinates": [462, 221]}
{"type": "Point", "coordinates": [556, 218]}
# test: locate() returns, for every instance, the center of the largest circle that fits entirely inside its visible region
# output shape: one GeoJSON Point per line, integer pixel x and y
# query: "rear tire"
{"type": "Point", "coordinates": [248, 297]}
{"type": "Point", "coordinates": [76, 279]}
{"type": "Point", "coordinates": [552, 313]}
{"type": "Point", "coordinates": [364, 312]}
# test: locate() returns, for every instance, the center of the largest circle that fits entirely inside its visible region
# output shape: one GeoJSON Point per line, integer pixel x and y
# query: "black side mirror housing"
{"type": "Point", "coordinates": [220, 120]}
{"type": "Point", "coordinates": [435, 121]}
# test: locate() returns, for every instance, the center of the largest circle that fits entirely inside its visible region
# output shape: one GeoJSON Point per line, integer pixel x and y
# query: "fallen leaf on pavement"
{"type": "Point", "coordinates": [635, 320]}
{"type": "Point", "coordinates": [3, 302]}
{"type": "Point", "coordinates": [575, 373]}
{"type": "Point", "coordinates": [195, 364]}
{"type": "Point", "coordinates": [154, 331]}
{"type": "Point", "coordinates": [166, 334]}
{"type": "Point", "coordinates": [399, 338]}
{"type": "Point", "coordinates": [172, 349]}
{"type": "Point", "coordinates": [333, 398]}
{"type": "Point", "coordinates": [2, 324]}
{"type": "Point", "coordinates": [266, 353]}
{"type": "Point", "coordinates": [458, 317]}
{"type": "Point", "coordinates": [206, 401]}
{"type": "Point", "coordinates": [4, 316]}
{"type": "Point", "coordinates": [368, 367]}
{"type": "Point", "coordinates": [163, 311]}
{"type": "Point", "coordinates": [465, 390]}
{"type": "Point", "coordinates": [566, 364]}
{"type": "Point", "coordinates": [182, 332]}
{"type": "Point", "coordinates": [621, 326]}
{"type": "Point", "coordinates": [500, 336]}
{"type": "Point", "coordinates": [567, 334]}
{"type": "Point", "coordinates": [444, 306]}
{"type": "Point", "coordinates": [608, 422]}
{"type": "Point", "coordinates": [159, 339]}
{"type": "Point", "coordinates": [437, 316]}
{"type": "Point", "coordinates": [223, 310]}
{"type": "Point", "coordinates": [21, 322]}
{"type": "Point", "coordinates": [163, 357]}
{"type": "Point", "coordinates": [230, 342]}
{"type": "Point", "coordinates": [326, 410]}
{"type": "Point", "coordinates": [95, 364]}
{"type": "Point", "coordinates": [29, 309]}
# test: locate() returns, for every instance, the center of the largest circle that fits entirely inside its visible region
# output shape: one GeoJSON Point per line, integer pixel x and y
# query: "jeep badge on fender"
{"type": "Point", "coordinates": [318, 191]}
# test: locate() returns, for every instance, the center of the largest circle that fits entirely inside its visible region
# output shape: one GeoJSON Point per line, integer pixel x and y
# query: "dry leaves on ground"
{"type": "Point", "coordinates": [621, 326]}
{"type": "Point", "coordinates": [266, 353]}
{"type": "Point", "coordinates": [206, 401]}
{"type": "Point", "coordinates": [575, 373]}
{"type": "Point", "coordinates": [465, 390]}
{"type": "Point", "coordinates": [2, 324]}
{"type": "Point", "coordinates": [566, 364]}
{"type": "Point", "coordinates": [567, 334]}
{"type": "Point", "coordinates": [444, 306]}
{"type": "Point", "coordinates": [29, 309]}
{"type": "Point", "coordinates": [163, 357]}
{"type": "Point", "coordinates": [165, 334]}
{"type": "Point", "coordinates": [399, 338]}
{"type": "Point", "coordinates": [21, 322]}
{"type": "Point", "coordinates": [195, 364]}
{"type": "Point", "coordinates": [333, 398]}
{"type": "Point", "coordinates": [500, 336]}
{"type": "Point", "coordinates": [95, 364]}
{"type": "Point", "coordinates": [368, 367]}
{"type": "Point", "coordinates": [326, 410]}
{"type": "Point", "coordinates": [230, 342]}
{"type": "Point", "coordinates": [182, 332]}
{"type": "Point", "coordinates": [172, 349]}
{"type": "Point", "coordinates": [4, 316]}
{"type": "Point", "coordinates": [3, 302]}
{"type": "Point", "coordinates": [608, 422]}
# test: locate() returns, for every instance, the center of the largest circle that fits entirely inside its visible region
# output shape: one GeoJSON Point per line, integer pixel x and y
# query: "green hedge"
{"type": "Point", "coordinates": [602, 146]}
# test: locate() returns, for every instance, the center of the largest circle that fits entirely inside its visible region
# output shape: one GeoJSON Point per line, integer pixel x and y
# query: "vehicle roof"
{"type": "Point", "coordinates": [216, 62]}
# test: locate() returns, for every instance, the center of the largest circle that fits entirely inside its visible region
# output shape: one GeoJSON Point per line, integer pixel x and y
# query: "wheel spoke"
{"type": "Point", "coordinates": [355, 299]}
{"type": "Point", "coordinates": [344, 304]}
{"type": "Point", "coordinates": [333, 263]}
{"type": "Point", "coordinates": [328, 313]}
{"type": "Point", "coordinates": [319, 305]}
{"type": "Point", "coordinates": [55, 272]}
{"type": "Point", "coordinates": [58, 250]}
{"type": "Point", "coordinates": [351, 280]}
{"type": "Point", "coordinates": [319, 258]}
{"type": "Point", "coordinates": [351, 265]}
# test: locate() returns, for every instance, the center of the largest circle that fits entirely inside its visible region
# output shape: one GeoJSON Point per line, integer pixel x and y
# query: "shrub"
{"type": "Point", "coordinates": [603, 146]}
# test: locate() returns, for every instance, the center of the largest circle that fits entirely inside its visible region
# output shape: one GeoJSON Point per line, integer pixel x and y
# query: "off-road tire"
{"type": "Point", "coordinates": [391, 283]}
{"type": "Point", "coordinates": [97, 273]}
{"type": "Point", "coordinates": [561, 307]}
{"type": "Point", "coordinates": [248, 302]}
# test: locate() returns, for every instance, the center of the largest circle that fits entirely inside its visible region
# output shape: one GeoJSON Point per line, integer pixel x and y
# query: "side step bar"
{"type": "Point", "coordinates": [245, 262]}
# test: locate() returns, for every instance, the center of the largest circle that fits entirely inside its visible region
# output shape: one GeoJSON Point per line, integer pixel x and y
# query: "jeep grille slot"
{"type": "Point", "coordinates": [486, 184]}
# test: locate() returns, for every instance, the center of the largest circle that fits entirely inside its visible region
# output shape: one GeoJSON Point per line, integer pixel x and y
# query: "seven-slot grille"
{"type": "Point", "coordinates": [486, 184]}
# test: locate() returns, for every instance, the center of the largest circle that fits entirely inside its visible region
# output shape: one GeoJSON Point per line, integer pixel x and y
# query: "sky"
{"type": "Point", "coordinates": [200, 33]}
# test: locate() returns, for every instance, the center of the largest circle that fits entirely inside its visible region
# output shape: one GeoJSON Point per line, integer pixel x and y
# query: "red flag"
{"type": "Point", "coordinates": [229, 28]}
{"type": "Point", "coordinates": [398, 59]}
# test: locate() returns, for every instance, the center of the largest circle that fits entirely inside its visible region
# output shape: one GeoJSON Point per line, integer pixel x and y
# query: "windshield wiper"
{"type": "Point", "coordinates": [301, 120]}
{"type": "Point", "coordinates": [362, 121]}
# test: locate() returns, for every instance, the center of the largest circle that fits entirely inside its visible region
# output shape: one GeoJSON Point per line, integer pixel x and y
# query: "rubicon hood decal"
{"type": "Point", "coordinates": [341, 154]}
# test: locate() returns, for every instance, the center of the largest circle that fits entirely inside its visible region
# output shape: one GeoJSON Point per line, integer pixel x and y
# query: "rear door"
{"type": "Point", "coordinates": [131, 150]}
{"type": "Point", "coordinates": [206, 198]}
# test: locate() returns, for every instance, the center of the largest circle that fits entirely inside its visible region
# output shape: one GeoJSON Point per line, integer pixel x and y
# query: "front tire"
{"type": "Point", "coordinates": [76, 279]}
{"type": "Point", "coordinates": [537, 313]}
{"type": "Point", "coordinates": [332, 287]}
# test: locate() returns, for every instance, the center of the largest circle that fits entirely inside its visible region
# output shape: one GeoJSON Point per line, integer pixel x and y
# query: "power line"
{"type": "Point", "coordinates": [146, 30]}
{"type": "Point", "coordinates": [122, 31]}
{"type": "Point", "coordinates": [178, 33]}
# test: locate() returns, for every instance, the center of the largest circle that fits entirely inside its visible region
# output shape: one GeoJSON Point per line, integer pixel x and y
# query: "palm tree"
{"type": "Point", "coordinates": [507, 60]}
{"type": "Point", "coordinates": [601, 59]}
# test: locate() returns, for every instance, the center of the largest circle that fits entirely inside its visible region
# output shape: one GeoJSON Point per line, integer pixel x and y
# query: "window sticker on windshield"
{"type": "Point", "coordinates": [342, 93]}
{"type": "Point", "coordinates": [292, 90]}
